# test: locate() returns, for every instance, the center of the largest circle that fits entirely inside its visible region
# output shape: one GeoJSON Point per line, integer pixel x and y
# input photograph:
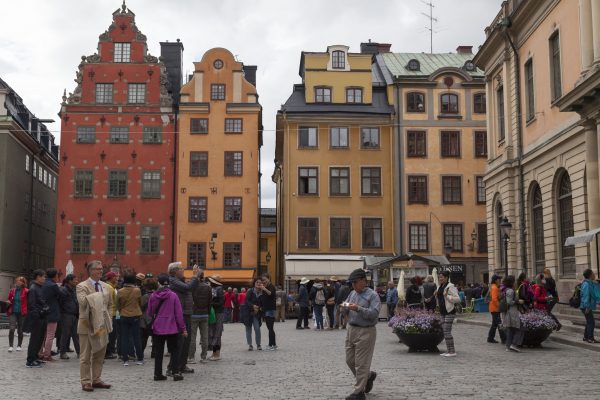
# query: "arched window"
{"type": "Point", "coordinates": [499, 241]}
{"type": "Point", "coordinates": [338, 59]}
{"type": "Point", "coordinates": [565, 219]}
{"type": "Point", "coordinates": [415, 102]}
{"type": "Point", "coordinates": [537, 220]}
{"type": "Point", "coordinates": [449, 103]}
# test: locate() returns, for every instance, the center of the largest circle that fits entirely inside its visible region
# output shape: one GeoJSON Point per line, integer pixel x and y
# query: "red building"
{"type": "Point", "coordinates": [117, 160]}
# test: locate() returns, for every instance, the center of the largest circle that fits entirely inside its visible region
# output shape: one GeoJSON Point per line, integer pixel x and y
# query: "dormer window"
{"type": "Point", "coordinates": [122, 52]}
{"type": "Point", "coordinates": [469, 66]}
{"type": "Point", "coordinates": [414, 65]}
{"type": "Point", "coordinates": [322, 95]}
{"type": "Point", "coordinates": [338, 59]}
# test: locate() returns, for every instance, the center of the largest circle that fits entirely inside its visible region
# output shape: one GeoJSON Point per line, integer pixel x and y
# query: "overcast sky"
{"type": "Point", "coordinates": [42, 41]}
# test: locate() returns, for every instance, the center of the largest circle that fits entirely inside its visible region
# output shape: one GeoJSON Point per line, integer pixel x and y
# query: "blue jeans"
{"type": "Point", "coordinates": [256, 326]}
{"type": "Point", "coordinates": [319, 315]}
{"type": "Point", "coordinates": [590, 325]}
{"type": "Point", "coordinates": [130, 332]}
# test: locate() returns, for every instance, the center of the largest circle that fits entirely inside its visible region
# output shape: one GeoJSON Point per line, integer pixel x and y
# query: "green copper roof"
{"type": "Point", "coordinates": [397, 63]}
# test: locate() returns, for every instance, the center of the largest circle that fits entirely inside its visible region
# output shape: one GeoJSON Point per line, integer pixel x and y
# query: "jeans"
{"type": "Point", "coordinates": [201, 324]}
{"type": "Point", "coordinates": [330, 309]}
{"type": "Point", "coordinates": [590, 325]}
{"type": "Point", "coordinates": [302, 316]}
{"type": "Point", "coordinates": [146, 333]}
{"type": "Point", "coordinates": [227, 316]}
{"type": "Point", "coordinates": [68, 324]}
{"type": "Point", "coordinates": [15, 322]}
{"type": "Point", "coordinates": [510, 335]}
{"type": "Point", "coordinates": [112, 338]}
{"type": "Point", "coordinates": [496, 322]}
{"type": "Point", "coordinates": [185, 343]}
{"type": "Point", "coordinates": [256, 326]}
{"type": "Point", "coordinates": [37, 326]}
{"type": "Point", "coordinates": [318, 315]}
{"type": "Point", "coordinates": [391, 309]}
{"type": "Point", "coordinates": [130, 332]}
{"type": "Point", "coordinates": [270, 321]}
{"type": "Point", "coordinates": [158, 342]}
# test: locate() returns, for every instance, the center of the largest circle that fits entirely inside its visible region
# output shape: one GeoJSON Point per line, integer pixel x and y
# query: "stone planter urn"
{"type": "Point", "coordinates": [534, 338]}
{"type": "Point", "coordinates": [421, 341]}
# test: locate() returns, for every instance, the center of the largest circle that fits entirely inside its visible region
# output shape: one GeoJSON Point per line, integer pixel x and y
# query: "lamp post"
{"type": "Point", "coordinates": [505, 227]}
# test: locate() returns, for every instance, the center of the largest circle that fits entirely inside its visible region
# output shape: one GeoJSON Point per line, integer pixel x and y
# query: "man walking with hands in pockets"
{"type": "Point", "coordinates": [363, 306]}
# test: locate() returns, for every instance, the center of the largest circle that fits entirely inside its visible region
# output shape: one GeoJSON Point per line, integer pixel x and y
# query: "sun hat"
{"type": "Point", "coordinates": [304, 281]}
{"type": "Point", "coordinates": [216, 280]}
{"type": "Point", "coordinates": [140, 277]}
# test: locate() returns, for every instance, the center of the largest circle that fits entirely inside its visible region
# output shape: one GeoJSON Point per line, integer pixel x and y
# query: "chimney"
{"type": "Point", "coordinates": [250, 73]}
{"type": "Point", "coordinates": [172, 57]}
{"type": "Point", "coordinates": [374, 48]}
{"type": "Point", "coordinates": [464, 49]}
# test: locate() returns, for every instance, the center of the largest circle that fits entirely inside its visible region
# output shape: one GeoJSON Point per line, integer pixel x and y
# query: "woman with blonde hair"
{"type": "Point", "coordinates": [552, 295]}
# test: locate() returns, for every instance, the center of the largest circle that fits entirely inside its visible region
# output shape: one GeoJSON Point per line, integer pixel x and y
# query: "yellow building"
{"type": "Point", "coordinates": [334, 171]}
{"type": "Point", "coordinates": [218, 192]}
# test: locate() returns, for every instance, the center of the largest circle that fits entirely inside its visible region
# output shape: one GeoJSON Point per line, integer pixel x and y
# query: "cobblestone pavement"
{"type": "Point", "coordinates": [310, 365]}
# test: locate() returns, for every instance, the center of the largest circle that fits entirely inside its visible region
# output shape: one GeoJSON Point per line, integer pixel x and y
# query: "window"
{"type": "Point", "coordinates": [499, 235]}
{"type": "Point", "coordinates": [529, 90]}
{"type": "Point", "coordinates": [539, 249]}
{"type": "Point", "coordinates": [150, 237]}
{"type": "Point", "coordinates": [451, 190]}
{"type": "Point", "coordinates": [136, 93]}
{"type": "Point", "coordinates": [151, 185]}
{"type": "Point", "coordinates": [232, 255]}
{"type": "Point", "coordinates": [449, 103]}
{"type": "Point", "coordinates": [453, 234]}
{"type": "Point", "coordinates": [469, 66]}
{"type": "Point", "coordinates": [81, 239]}
{"type": "Point", "coordinates": [232, 209]}
{"type": "Point", "coordinates": [54, 184]}
{"type": "Point", "coordinates": [479, 106]}
{"type": "Point", "coordinates": [115, 239]}
{"type": "Point", "coordinates": [339, 231]}
{"type": "Point", "coordinates": [84, 179]}
{"type": "Point", "coordinates": [418, 237]}
{"type": "Point", "coordinates": [34, 170]}
{"type": "Point", "coordinates": [338, 137]}
{"type": "Point", "coordinates": [117, 183]}
{"type": "Point", "coordinates": [565, 209]}
{"type": "Point", "coordinates": [218, 64]}
{"type": "Point", "coordinates": [122, 52]}
{"type": "Point", "coordinates": [370, 178]}
{"type": "Point", "coordinates": [198, 209]}
{"type": "Point", "coordinates": [415, 102]}
{"type": "Point", "coordinates": [416, 144]}
{"type": "Point", "coordinates": [119, 134]}
{"type": "Point", "coordinates": [197, 254]}
{"type": "Point", "coordinates": [104, 93]}
{"type": "Point", "coordinates": [417, 189]}
{"type": "Point", "coordinates": [339, 181]}
{"type": "Point", "coordinates": [482, 241]}
{"type": "Point", "coordinates": [369, 138]}
{"type": "Point", "coordinates": [307, 137]}
{"type": "Point", "coordinates": [371, 233]}
{"type": "Point", "coordinates": [233, 163]}
{"type": "Point", "coordinates": [480, 143]}
{"type": "Point", "coordinates": [322, 95]}
{"type": "Point", "coordinates": [338, 59]}
{"type": "Point", "coordinates": [152, 135]}
{"type": "Point", "coordinates": [480, 188]}
{"type": "Point", "coordinates": [86, 134]}
{"type": "Point", "coordinates": [500, 111]}
{"type": "Point", "coordinates": [27, 158]}
{"type": "Point", "coordinates": [198, 125]}
{"type": "Point", "coordinates": [414, 65]}
{"type": "Point", "coordinates": [199, 163]}
{"type": "Point", "coordinates": [308, 181]}
{"type": "Point", "coordinates": [233, 125]}
{"type": "Point", "coordinates": [555, 75]}
{"type": "Point", "coordinates": [354, 95]}
{"type": "Point", "coordinates": [41, 173]}
{"type": "Point", "coordinates": [308, 233]}
{"type": "Point", "coordinates": [217, 91]}
{"type": "Point", "coordinates": [450, 143]}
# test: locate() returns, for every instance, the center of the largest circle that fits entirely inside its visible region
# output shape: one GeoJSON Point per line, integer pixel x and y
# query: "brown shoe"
{"type": "Point", "coordinates": [49, 358]}
{"type": "Point", "coordinates": [87, 387]}
{"type": "Point", "coordinates": [101, 385]}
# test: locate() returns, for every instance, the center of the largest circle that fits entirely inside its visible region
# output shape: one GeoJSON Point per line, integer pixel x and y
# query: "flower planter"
{"type": "Point", "coordinates": [421, 341]}
{"type": "Point", "coordinates": [534, 338]}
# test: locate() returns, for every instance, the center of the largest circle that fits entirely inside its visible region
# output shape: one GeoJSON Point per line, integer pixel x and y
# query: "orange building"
{"type": "Point", "coordinates": [218, 182]}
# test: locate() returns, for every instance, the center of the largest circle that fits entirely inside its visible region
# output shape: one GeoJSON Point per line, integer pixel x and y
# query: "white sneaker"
{"type": "Point", "coordinates": [141, 362]}
{"type": "Point", "coordinates": [126, 364]}
{"type": "Point", "coordinates": [19, 348]}
{"type": "Point", "coordinates": [443, 354]}
{"type": "Point", "coordinates": [10, 349]}
{"type": "Point", "coordinates": [449, 355]}
{"type": "Point", "coordinates": [514, 348]}
{"type": "Point", "coordinates": [191, 361]}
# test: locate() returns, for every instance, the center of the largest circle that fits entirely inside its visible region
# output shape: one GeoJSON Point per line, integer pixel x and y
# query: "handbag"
{"type": "Point", "coordinates": [44, 311]}
{"type": "Point", "coordinates": [149, 324]}
{"type": "Point", "coordinates": [330, 301]}
{"type": "Point", "coordinates": [212, 316]}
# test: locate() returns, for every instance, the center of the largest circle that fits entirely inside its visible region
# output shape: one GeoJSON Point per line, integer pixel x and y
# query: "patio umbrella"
{"type": "Point", "coordinates": [401, 290]}
{"type": "Point", "coordinates": [69, 269]}
{"type": "Point", "coordinates": [434, 273]}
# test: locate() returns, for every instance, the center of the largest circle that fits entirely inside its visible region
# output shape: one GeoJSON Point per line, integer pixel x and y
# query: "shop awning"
{"type": "Point", "coordinates": [585, 237]}
{"type": "Point", "coordinates": [233, 276]}
{"type": "Point", "coordinates": [321, 266]}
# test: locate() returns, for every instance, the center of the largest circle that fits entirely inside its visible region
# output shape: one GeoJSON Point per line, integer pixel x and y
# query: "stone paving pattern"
{"type": "Point", "coordinates": [310, 365]}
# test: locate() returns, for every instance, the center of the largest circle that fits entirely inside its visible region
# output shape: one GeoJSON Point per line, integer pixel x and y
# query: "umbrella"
{"type": "Point", "coordinates": [434, 273]}
{"type": "Point", "coordinates": [401, 291]}
{"type": "Point", "coordinates": [69, 269]}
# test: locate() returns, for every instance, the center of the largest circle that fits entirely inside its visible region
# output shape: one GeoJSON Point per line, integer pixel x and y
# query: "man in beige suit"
{"type": "Point", "coordinates": [91, 360]}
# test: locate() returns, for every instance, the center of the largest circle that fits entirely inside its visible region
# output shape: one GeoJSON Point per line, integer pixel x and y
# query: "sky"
{"type": "Point", "coordinates": [42, 41]}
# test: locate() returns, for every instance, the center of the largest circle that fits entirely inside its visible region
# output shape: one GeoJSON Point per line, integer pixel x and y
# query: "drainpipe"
{"type": "Point", "coordinates": [506, 24]}
{"type": "Point", "coordinates": [400, 173]}
{"type": "Point", "coordinates": [175, 163]}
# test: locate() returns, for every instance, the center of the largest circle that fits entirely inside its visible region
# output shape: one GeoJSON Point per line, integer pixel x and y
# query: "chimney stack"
{"type": "Point", "coordinates": [464, 49]}
{"type": "Point", "coordinates": [172, 56]}
{"type": "Point", "coordinates": [374, 48]}
{"type": "Point", "coordinates": [250, 73]}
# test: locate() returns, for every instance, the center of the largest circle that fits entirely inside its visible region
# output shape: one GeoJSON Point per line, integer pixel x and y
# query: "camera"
{"type": "Point", "coordinates": [345, 304]}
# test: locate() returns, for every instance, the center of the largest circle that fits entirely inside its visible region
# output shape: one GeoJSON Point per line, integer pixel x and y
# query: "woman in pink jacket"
{"type": "Point", "coordinates": [17, 310]}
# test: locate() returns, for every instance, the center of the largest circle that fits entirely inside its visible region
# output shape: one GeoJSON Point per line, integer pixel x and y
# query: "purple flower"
{"type": "Point", "coordinates": [538, 320]}
{"type": "Point", "coordinates": [415, 321]}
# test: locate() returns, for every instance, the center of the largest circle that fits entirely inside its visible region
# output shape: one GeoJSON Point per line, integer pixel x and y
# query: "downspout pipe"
{"type": "Point", "coordinates": [175, 180]}
{"type": "Point", "coordinates": [400, 172]}
{"type": "Point", "coordinates": [506, 24]}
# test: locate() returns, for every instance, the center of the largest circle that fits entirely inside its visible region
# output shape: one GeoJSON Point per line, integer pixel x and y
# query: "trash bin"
{"type": "Point", "coordinates": [481, 305]}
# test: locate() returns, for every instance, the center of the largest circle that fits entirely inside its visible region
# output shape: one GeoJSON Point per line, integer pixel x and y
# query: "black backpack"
{"type": "Point", "coordinates": [575, 300]}
{"type": "Point", "coordinates": [503, 303]}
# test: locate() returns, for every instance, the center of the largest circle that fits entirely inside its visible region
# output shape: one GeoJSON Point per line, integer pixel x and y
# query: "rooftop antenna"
{"type": "Point", "coordinates": [432, 19]}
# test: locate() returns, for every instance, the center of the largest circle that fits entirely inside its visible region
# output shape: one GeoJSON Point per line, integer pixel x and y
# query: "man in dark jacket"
{"type": "Point", "coordinates": [303, 304]}
{"type": "Point", "coordinates": [184, 292]}
{"type": "Point", "coordinates": [36, 318]}
{"type": "Point", "coordinates": [215, 331]}
{"type": "Point", "coordinates": [69, 313]}
{"type": "Point", "coordinates": [51, 295]}
{"type": "Point", "coordinates": [428, 291]}
{"type": "Point", "coordinates": [202, 296]}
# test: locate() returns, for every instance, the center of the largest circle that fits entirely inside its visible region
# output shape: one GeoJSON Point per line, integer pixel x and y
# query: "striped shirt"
{"type": "Point", "coordinates": [368, 308]}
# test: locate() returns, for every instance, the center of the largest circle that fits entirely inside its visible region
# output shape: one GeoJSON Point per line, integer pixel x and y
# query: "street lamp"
{"type": "Point", "coordinates": [268, 257]}
{"type": "Point", "coordinates": [211, 246]}
{"type": "Point", "coordinates": [505, 227]}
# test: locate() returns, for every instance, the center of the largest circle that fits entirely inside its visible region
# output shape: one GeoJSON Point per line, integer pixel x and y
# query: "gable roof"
{"type": "Point", "coordinates": [397, 64]}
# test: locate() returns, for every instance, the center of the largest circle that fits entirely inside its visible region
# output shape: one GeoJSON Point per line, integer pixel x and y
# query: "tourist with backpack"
{"type": "Point", "coordinates": [524, 292]}
{"type": "Point", "coordinates": [317, 296]}
{"type": "Point", "coordinates": [589, 297]}
{"type": "Point", "coordinates": [493, 299]}
{"type": "Point", "coordinates": [511, 320]}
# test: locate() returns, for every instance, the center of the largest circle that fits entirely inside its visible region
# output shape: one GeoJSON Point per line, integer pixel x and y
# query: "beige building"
{"type": "Point", "coordinates": [542, 78]}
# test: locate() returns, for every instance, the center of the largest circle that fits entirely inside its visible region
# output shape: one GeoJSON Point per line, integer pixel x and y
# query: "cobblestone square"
{"type": "Point", "coordinates": [310, 365]}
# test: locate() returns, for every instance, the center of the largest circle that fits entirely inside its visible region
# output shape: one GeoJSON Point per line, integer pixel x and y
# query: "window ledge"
{"type": "Point", "coordinates": [450, 116]}
{"type": "Point", "coordinates": [530, 121]}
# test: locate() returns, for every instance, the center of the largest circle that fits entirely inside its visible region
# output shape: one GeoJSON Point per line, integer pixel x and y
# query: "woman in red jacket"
{"type": "Point", "coordinates": [17, 310]}
{"type": "Point", "coordinates": [540, 294]}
